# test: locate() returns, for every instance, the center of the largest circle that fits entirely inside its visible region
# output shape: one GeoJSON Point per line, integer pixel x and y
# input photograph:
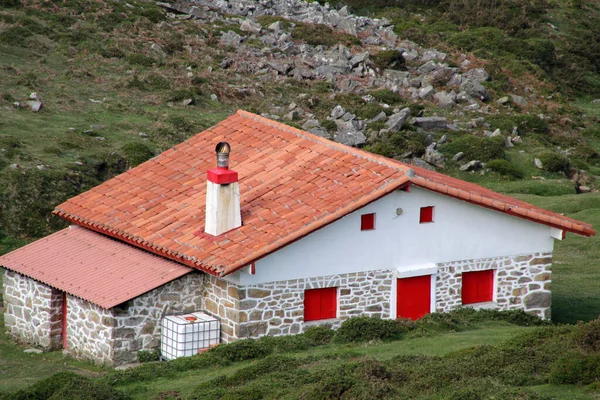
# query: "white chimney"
{"type": "Point", "coordinates": [222, 195]}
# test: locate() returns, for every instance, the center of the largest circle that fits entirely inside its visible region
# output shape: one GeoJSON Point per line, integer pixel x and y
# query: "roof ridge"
{"type": "Point", "coordinates": [326, 142]}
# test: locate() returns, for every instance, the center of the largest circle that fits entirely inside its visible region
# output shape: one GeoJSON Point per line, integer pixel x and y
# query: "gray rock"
{"type": "Point", "coordinates": [348, 26]}
{"type": "Point", "coordinates": [310, 124]}
{"type": "Point", "coordinates": [427, 92]}
{"type": "Point", "coordinates": [431, 123]}
{"type": "Point", "coordinates": [422, 164]}
{"type": "Point", "coordinates": [35, 105]}
{"type": "Point", "coordinates": [230, 38]}
{"type": "Point", "coordinates": [519, 100]}
{"type": "Point", "coordinates": [348, 116]}
{"type": "Point", "coordinates": [434, 157]}
{"type": "Point", "coordinates": [474, 89]}
{"type": "Point", "coordinates": [250, 26]}
{"type": "Point", "coordinates": [226, 63]}
{"type": "Point", "coordinates": [281, 68]}
{"type": "Point", "coordinates": [474, 165]}
{"type": "Point", "coordinates": [444, 99]}
{"type": "Point", "coordinates": [538, 163]}
{"type": "Point", "coordinates": [456, 80]}
{"type": "Point", "coordinates": [337, 112]}
{"type": "Point", "coordinates": [187, 102]}
{"type": "Point", "coordinates": [410, 55]}
{"type": "Point", "coordinates": [458, 156]}
{"type": "Point", "coordinates": [292, 115]}
{"type": "Point", "coordinates": [508, 142]}
{"type": "Point", "coordinates": [359, 58]}
{"type": "Point", "coordinates": [503, 100]}
{"type": "Point", "coordinates": [158, 50]}
{"type": "Point", "coordinates": [302, 73]}
{"type": "Point", "coordinates": [443, 139]}
{"type": "Point", "coordinates": [463, 97]}
{"type": "Point", "coordinates": [428, 67]}
{"type": "Point", "coordinates": [537, 300]}
{"type": "Point", "coordinates": [516, 139]}
{"type": "Point", "coordinates": [276, 26]}
{"type": "Point", "coordinates": [379, 117]}
{"type": "Point", "coordinates": [433, 55]}
{"type": "Point", "coordinates": [348, 86]}
{"type": "Point", "coordinates": [584, 189]}
{"type": "Point", "coordinates": [397, 120]}
{"type": "Point", "coordinates": [477, 75]}
{"type": "Point", "coordinates": [351, 138]}
{"type": "Point", "coordinates": [33, 351]}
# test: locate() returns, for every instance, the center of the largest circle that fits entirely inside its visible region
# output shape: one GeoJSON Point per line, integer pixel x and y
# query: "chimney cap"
{"type": "Point", "coordinates": [223, 148]}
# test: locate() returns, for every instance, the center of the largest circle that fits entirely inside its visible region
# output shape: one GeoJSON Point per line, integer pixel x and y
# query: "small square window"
{"type": "Point", "coordinates": [426, 215]}
{"type": "Point", "coordinates": [367, 222]}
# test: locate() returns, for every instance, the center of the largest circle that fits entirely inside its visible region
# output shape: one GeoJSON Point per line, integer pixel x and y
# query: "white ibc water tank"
{"type": "Point", "coordinates": [186, 334]}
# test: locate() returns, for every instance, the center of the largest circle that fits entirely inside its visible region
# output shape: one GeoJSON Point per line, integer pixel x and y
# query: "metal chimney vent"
{"type": "Point", "coordinates": [223, 149]}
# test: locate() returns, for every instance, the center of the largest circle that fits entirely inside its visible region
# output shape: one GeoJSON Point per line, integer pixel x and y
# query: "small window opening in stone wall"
{"type": "Point", "coordinates": [367, 222]}
{"type": "Point", "coordinates": [426, 215]}
{"type": "Point", "coordinates": [478, 286]}
{"type": "Point", "coordinates": [320, 304]}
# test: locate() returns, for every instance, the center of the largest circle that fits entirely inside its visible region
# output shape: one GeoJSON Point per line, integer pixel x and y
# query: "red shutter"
{"type": "Point", "coordinates": [426, 215]}
{"type": "Point", "coordinates": [477, 286]}
{"type": "Point", "coordinates": [320, 304]}
{"type": "Point", "coordinates": [367, 222]}
{"type": "Point", "coordinates": [413, 297]}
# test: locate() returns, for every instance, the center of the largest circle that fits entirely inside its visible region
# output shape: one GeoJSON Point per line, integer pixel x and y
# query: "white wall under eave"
{"type": "Point", "coordinates": [460, 231]}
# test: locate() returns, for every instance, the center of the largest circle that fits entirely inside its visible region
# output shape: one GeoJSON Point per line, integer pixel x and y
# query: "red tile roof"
{"type": "Point", "coordinates": [93, 267]}
{"type": "Point", "coordinates": [291, 182]}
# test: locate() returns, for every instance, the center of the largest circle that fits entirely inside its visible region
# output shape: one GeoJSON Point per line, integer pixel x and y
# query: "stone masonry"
{"type": "Point", "coordinates": [522, 281]}
{"type": "Point", "coordinates": [137, 322]}
{"type": "Point", "coordinates": [32, 311]}
{"type": "Point", "coordinates": [90, 331]}
{"type": "Point", "coordinates": [222, 299]}
{"type": "Point", "coordinates": [277, 308]}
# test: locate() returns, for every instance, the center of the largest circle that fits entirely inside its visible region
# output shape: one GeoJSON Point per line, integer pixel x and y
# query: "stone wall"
{"type": "Point", "coordinates": [137, 322]}
{"type": "Point", "coordinates": [90, 331]}
{"type": "Point", "coordinates": [33, 311]}
{"type": "Point", "coordinates": [222, 299]}
{"type": "Point", "coordinates": [277, 308]}
{"type": "Point", "coordinates": [521, 282]}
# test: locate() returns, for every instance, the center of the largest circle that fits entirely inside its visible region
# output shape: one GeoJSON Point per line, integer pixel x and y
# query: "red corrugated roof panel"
{"type": "Point", "coordinates": [93, 267]}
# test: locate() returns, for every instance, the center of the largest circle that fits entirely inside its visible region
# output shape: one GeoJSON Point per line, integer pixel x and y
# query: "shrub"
{"type": "Point", "coordinates": [136, 153]}
{"type": "Point", "coordinates": [319, 334]}
{"type": "Point", "coordinates": [387, 96]}
{"type": "Point", "coordinates": [144, 356]}
{"type": "Point", "coordinates": [575, 368]}
{"type": "Point", "coordinates": [475, 147]}
{"type": "Point", "coordinates": [362, 329]}
{"type": "Point", "coordinates": [322, 35]}
{"type": "Point", "coordinates": [284, 344]}
{"type": "Point", "coordinates": [587, 336]}
{"type": "Point", "coordinates": [182, 94]}
{"type": "Point", "coordinates": [242, 350]}
{"type": "Point", "coordinates": [554, 162]}
{"type": "Point", "coordinates": [140, 59]}
{"type": "Point", "coordinates": [389, 59]}
{"type": "Point", "coordinates": [395, 143]}
{"type": "Point", "coordinates": [181, 123]}
{"type": "Point", "coordinates": [505, 168]}
{"type": "Point", "coordinates": [329, 125]}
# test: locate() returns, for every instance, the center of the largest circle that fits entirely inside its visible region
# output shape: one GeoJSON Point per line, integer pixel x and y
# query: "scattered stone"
{"type": "Point", "coordinates": [276, 26]}
{"type": "Point", "coordinates": [444, 99]}
{"type": "Point", "coordinates": [477, 75]}
{"type": "Point", "coordinates": [34, 96]}
{"type": "Point", "coordinates": [379, 117]}
{"type": "Point", "coordinates": [443, 139]}
{"type": "Point", "coordinates": [583, 189]}
{"type": "Point", "coordinates": [126, 366]}
{"type": "Point", "coordinates": [33, 351]}
{"type": "Point", "coordinates": [519, 100]}
{"type": "Point", "coordinates": [538, 163]}
{"type": "Point", "coordinates": [458, 156]}
{"type": "Point", "coordinates": [281, 68]}
{"type": "Point", "coordinates": [250, 26]}
{"type": "Point", "coordinates": [473, 165]}
{"type": "Point", "coordinates": [155, 47]}
{"type": "Point", "coordinates": [214, 97]}
{"type": "Point", "coordinates": [431, 123]}
{"type": "Point", "coordinates": [503, 100]}
{"type": "Point", "coordinates": [508, 142]}
{"type": "Point", "coordinates": [187, 102]}
{"type": "Point", "coordinates": [426, 93]}
{"type": "Point", "coordinates": [310, 124]}
{"type": "Point", "coordinates": [230, 38]}
{"type": "Point", "coordinates": [292, 115]}
{"type": "Point", "coordinates": [351, 138]}
{"type": "Point", "coordinates": [596, 101]}
{"type": "Point", "coordinates": [226, 63]}
{"type": "Point", "coordinates": [422, 164]}
{"type": "Point", "coordinates": [143, 134]}
{"type": "Point", "coordinates": [35, 105]}
{"type": "Point", "coordinates": [337, 112]}
{"type": "Point", "coordinates": [428, 67]}
{"type": "Point", "coordinates": [359, 58]}
{"type": "Point", "coordinates": [434, 157]}
{"type": "Point", "coordinates": [397, 120]}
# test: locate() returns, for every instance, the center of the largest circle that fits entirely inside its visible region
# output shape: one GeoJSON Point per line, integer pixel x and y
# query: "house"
{"type": "Point", "coordinates": [297, 231]}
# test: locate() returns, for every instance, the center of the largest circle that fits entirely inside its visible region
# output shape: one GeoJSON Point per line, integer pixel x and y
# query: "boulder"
{"type": "Point", "coordinates": [395, 121]}
{"type": "Point", "coordinates": [434, 157]}
{"type": "Point", "coordinates": [350, 138]}
{"type": "Point", "coordinates": [444, 99]}
{"type": "Point", "coordinates": [426, 93]}
{"type": "Point", "coordinates": [538, 163]}
{"type": "Point", "coordinates": [473, 165]}
{"type": "Point", "coordinates": [476, 75]}
{"type": "Point", "coordinates": [250, 26]}
{"type": "Point", "coordinates": [337, 112]}
{"type": "Point", "coordinates": [359, 58]}
{"type": "Point", "coordinates": [519, 100]}
{"type": "Point", "coordinates": [431, 123]}
{"type": "Point", "coordinates": [230, 38]}
{"type": "Point", "coordinates": [458, 156]}
{"type": "Point", "coordinates": [474, 89]}
{"type": "Point", "coordinates": [35, 105]}
{"type": "Point", "coordinates": [422, 164]}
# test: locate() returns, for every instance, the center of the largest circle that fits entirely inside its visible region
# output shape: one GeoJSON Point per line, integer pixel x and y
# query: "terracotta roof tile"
{"type": "Point", "coordinates": [114, 272]}
{"type": "Point", "coordinates": [291, 182]}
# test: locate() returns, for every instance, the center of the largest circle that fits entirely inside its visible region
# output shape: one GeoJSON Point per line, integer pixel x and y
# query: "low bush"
{"type": "Point", "coordinates": [329, 125]}
{"type": "Point", "coordinates": [362, 329]}
{"type": "Point", "coordinates": [587, 336]}
{"type": "Point", "coordinates": [67, 386]}
{"type": "Point", "coordinates": [136, 153]}
{"type": "Point", "coordinates": [387, 96]}
{"type": "Point", "coordinates": [476, 147]}
{"type": "Point", "coordinates": [145, 356]}
{"type": "Point", "coordinates": [284, 344]}
{"type": "Point", "coordinates": [393, 144]}
{"type": "Point", "coordinates": [389, 59]}
{"type": "Point", "coordinates": [575, 368]}
{"type": "Point", "coordinates": [322, 35]}
{"type": "Point", "coordinates": [319, 334]}
{"type": "Point", "coordinates": [242, 350]}
{"type": "Point", "coordinates": [505, 168]}
{"type": "Point", "coordinates": [554, 162]}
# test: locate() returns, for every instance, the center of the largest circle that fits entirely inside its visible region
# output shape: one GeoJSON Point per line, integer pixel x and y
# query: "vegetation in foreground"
{"type": "Point", "coordinates": [362, 361]}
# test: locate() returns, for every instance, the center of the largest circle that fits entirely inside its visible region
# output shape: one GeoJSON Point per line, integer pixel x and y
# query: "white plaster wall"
{"type": "Point", "coordinates": [461, 231]}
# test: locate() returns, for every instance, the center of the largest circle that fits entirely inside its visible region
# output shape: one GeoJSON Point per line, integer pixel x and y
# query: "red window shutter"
{"type": "Point", "coordinates": [426, 215]}
{"type": "Point", "coordinates": [367, 222]}
{"type": "Point", "coordinates": [328, 303]}
{"type": "Point", "coordinates": [477, 286]}
{"type": "Point", "coordinates": [320, 304]}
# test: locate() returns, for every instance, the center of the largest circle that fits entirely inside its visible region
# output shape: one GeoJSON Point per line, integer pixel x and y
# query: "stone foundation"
{"type": "Point", "coordinates": [222, 299]}
{"type": "Point", "coordinates": [137, 322]}
{"type": "Point", "coordinates": [521, 282]}
{"type": "Point", "coordinates": [90, 331]}
{"type": "Point", "coordinates": [277, 308]}
{"type": "Point", "coordinates": [33, 311]}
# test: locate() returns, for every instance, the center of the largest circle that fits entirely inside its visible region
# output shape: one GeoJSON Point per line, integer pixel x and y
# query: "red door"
{"type": "Point", "coordinates": [64, 320]}
{"type": "Point", "coordinates": [413, 297]}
